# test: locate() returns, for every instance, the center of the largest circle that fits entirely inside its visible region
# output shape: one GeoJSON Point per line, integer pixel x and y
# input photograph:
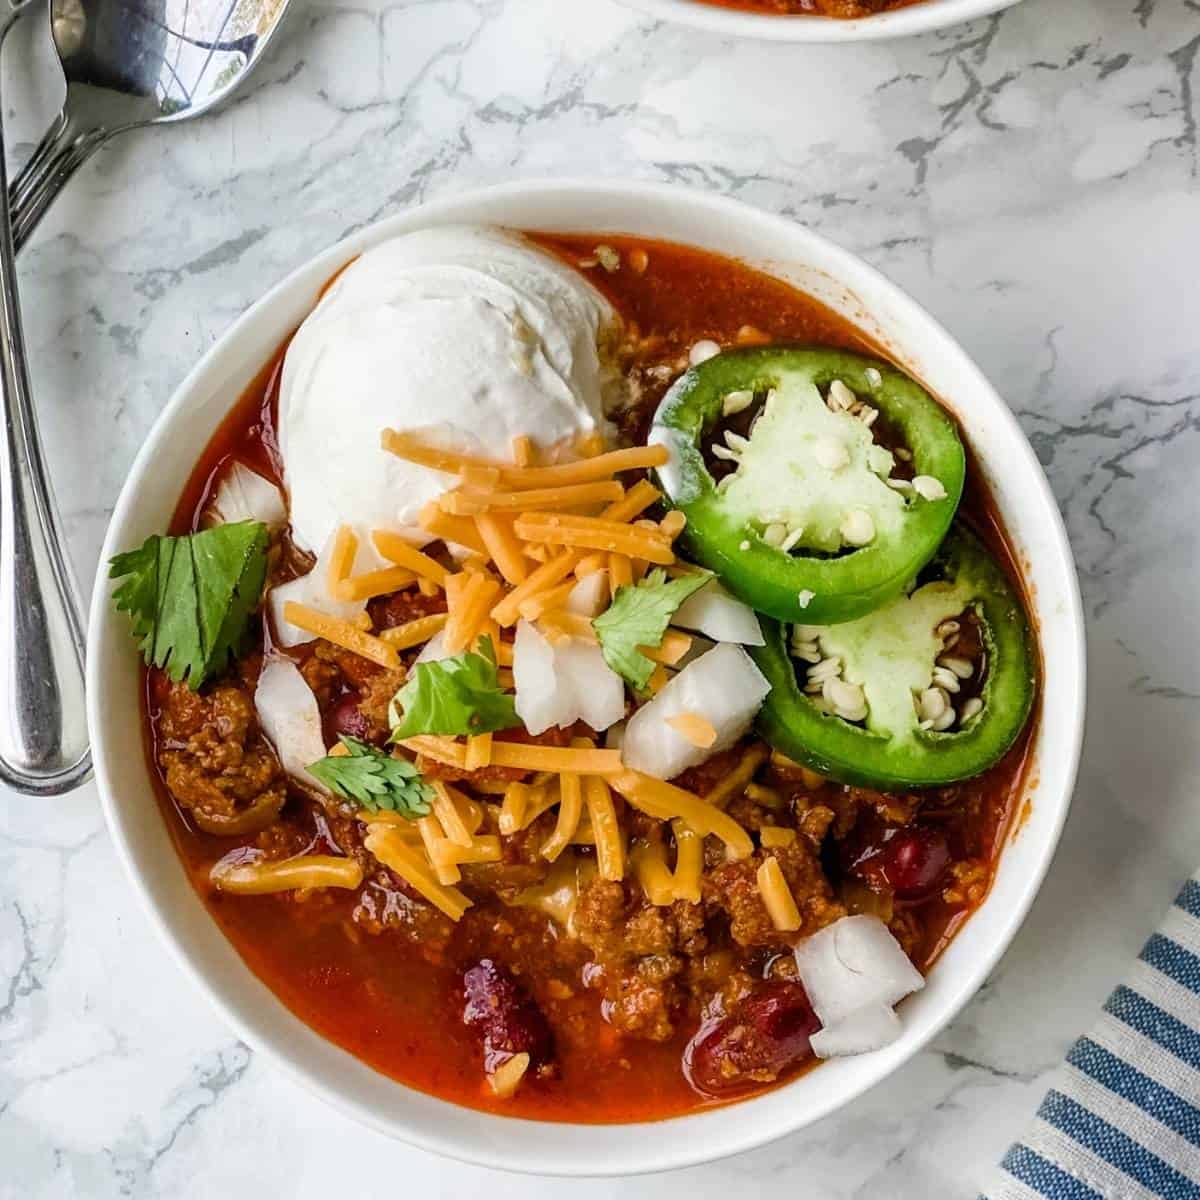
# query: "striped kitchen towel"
{"type": "Point", "coordinates": [1123, 1119]}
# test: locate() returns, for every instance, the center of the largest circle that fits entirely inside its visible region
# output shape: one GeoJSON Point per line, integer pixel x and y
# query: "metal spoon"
{"type": "Point", "coordinates": [130, 63]}
{"type": "Point", "coordinates": [125, 66]}
{"type": "Point", "coordinates": [43, 727]}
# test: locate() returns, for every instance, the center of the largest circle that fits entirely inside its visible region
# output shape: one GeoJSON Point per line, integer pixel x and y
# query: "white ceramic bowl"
{"type": "Point", "coordinates": [850, 287]}
{"type": "Point", "coordinates": [899, 22]}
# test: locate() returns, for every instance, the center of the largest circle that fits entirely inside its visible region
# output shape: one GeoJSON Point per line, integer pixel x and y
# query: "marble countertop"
{"type": "Point", "coordinates": [1033, 179]}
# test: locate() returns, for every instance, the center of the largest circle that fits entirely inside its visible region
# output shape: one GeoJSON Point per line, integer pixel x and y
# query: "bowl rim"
{"type": "Point", "coordinates": [738, 1136]}
{"type": "Point", "coordinates": [913, 19]}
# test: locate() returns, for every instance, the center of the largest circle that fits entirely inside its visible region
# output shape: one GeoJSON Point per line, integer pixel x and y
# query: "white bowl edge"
{"type": "Point", "coordinates": [1023, 496]}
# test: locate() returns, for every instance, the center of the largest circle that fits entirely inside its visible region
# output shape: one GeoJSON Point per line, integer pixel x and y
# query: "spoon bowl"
{"type": "Point", "coordinates": [127, 63]}
{"type": "Point", "coordinates": [132, 63]}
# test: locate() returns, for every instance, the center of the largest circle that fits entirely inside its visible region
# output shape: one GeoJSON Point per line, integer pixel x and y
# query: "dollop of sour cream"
{"type": "Point", "coordinates": [469, 336]}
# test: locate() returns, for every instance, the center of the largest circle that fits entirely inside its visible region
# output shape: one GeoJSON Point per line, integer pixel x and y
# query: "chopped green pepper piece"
{"type": "Point", "coordinates": [816, 523]}
{"type": "Point", "coordinates": [891, 655]}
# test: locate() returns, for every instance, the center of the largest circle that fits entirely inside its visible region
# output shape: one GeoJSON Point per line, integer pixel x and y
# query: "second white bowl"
{"type": "Point", "coordinates": [923, 17]}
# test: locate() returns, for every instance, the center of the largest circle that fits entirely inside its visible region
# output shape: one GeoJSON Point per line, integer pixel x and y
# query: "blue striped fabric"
{"type": "Point", "coordinates": [1122, 1121]}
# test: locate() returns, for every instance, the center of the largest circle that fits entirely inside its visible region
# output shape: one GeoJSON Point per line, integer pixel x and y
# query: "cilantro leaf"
{"type": "Point", "coordinates": [190, 598]}
{"type": "Point", "coordinates": [456, 695]}
{"type": "Point", "coordinates": [375, 779]}
{"type": "Point", "coordinates": [638, 616]}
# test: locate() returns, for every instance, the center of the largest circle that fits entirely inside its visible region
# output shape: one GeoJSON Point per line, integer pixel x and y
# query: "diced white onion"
{"type": "Point", "coordinates": [714, 612]}
{"type": "Point", "coordinates": [289, 716]}
{"type": "Point", "coordinates": [313, 590]}
{"type": "Point", "coordinates": [868, 1028]}
{"type": "Point", "coordinates": [852, 964]}
{"type": "Point", "coordinates": [559, 684]}
{"type": "Point", "coordinates": [244, 495]}
{"type": "Point", "coordinates": [723, 686]}
{"type": "Point", "coordinates": [589, 597]}
{"type": "Point", "coordinates": [599, 690]}
{"type": "Point", "coordinates": [542, 700]}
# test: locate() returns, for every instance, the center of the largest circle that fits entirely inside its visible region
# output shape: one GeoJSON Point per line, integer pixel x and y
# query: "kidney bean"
{"type": "Point", "coordinates": [511, 1023]}
{"type": "Point", "coordinates": [766, 1034]}
{"type": "Point", "coordinates": [346, 718]}
{"type": "Point", "coordinates": [910, 861]}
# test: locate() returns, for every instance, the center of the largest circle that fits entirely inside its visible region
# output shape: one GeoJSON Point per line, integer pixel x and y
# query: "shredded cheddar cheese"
{"type": "Point", "coordinates": [512, 810]}
{"type": "Point", "coordinates": [502, 544]}
{"type": "Point", "coordinates": [546, 576]}
{"type": "Point", "coordinates": [670, 650]}
{"type": "Point", "coordinates": [519, 536]}
{"type": "Point", "coordinates": [590, 564]}
{"type": "Point", "coordinates": [570, 808]}
{"type": "Point", "coordinates": [550, 599]}
{"type": "Point", "coordinates": [468, 610]}
{"type": "Point", "coordinates": [411, 448]}
{"type": "Point", "coordinates": [673, 523]}
{"type": "Point", "coordinates": [689, 862]}
{"type": "Point", "coordinates": [777, 896]}
{"type": "Point", "coordinates": [445, 806]}
{"type": "Point", "coordinates": [459, 530]}
{"type": "Point", "coordinates": [735, 782]}
{"type": "Point", "coordinates": [568, 624]}
{"type": "Point", "coordinates": [395, 549]}
{"type": "Point", "coordinates": [610, 848]}
{"type": "Point", "coordinates": [383, 816]}
{"type": "Point", "coordinates": [522, 450]}
{"type": "Point", "coordinates": [620, 573]}
{"type": "Point", "coordinates": [374, 583]}
{"type": "Point", "coordinates": [480, 477]}
{"type": "Point", "coordinates": [659, 678]}
{"type": "Point", "coordinates": [341, 633]}
{"type": "Point", "coordinates": [398, 855]}
{"type": "Point", "coordinates": [414, 633]}
{"type": "Point", "coordinates": [542, 798]}
{"type": "Point", "coordinates": [294, 874]}
{"type": "Point", "coordinates": [479, 751]}
{"type": "Point", "coordinates": [696, 729]}
{"type": "Point", "coordinates": [634, 503]}
{"type": "Point", "coordinates": [649, 863]}
{"type": "Point", "coordinates": [665, 801]}
{"type": "Point", "coordinates": [469, 503]}
{"type": "Point", "coordinates": [593, 533]}
{"type": "Point", "coordinates": [440, 749]}
{"type": "Point", "coordinates": [444, 852]}
{"type": "Point", "coordinates": [585, 470]}
{"type": "Point", "coordinates": [341, 558]}
{"type": "Point", "coordinates": [555, 758]}
{"type": "Point", "coordinates": [432, 833]}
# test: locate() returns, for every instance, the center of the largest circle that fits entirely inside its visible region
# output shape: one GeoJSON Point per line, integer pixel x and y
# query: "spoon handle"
{"type": "Point", "coordinates": [65, 146]}
{"type": "Point", "coordinates": [43, 724]}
